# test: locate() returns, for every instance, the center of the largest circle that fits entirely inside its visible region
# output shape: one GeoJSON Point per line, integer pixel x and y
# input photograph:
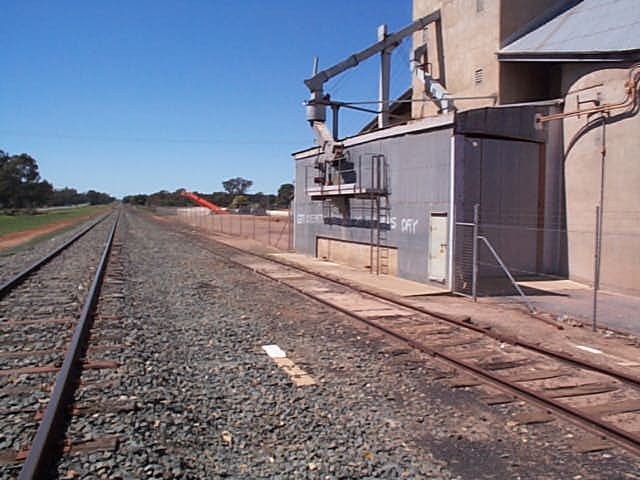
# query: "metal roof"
{"type": "Point", "coordinates": [603, 29]}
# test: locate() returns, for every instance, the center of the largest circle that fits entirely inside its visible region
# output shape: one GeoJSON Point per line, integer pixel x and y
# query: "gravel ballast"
{"type": "Point", "coordinates": [14, 260]}
{"type": "Point", "coordinates": [37, 318]}
{"type": "Point", "coordinates": [211, 404]}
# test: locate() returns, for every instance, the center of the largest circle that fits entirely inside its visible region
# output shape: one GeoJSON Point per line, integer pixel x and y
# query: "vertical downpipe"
{"type": "Point", "coordinates": [596, 268]}
{"type": "Point", "coordinates": [452, 181]}
{"type": "Point", "coordinates": [599, 216]}
{"type": "Point", "coordinates": [474, 279]}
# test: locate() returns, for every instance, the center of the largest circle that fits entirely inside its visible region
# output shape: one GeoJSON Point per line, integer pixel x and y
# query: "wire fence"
{"type": "Point", "coordinates": [273, 230]}
{"type": "Point", "coordinates": [497, 252]}
{"type": "Point", "coordinates": [493, 244]}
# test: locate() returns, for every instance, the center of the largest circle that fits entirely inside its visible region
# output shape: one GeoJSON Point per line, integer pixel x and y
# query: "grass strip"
{"type": "Point", "coordinates": [23, 222]}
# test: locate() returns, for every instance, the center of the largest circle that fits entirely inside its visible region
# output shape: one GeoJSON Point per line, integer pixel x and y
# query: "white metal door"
{"type": "Point", "coordinates": [438, 239]}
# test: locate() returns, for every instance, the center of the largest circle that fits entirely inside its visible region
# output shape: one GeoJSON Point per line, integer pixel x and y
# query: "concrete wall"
{"type": "Point", "coordinates": [572, 72]}
{"type": "Point", "coordinates": [529, 82]}
{"type": "Point", "coordinates": [419, 166]}
{"type": "Point", "coordinates": [620, 269]}
{"type": "Point", "coordinates": [472, 33]}
{"type": "Point", "coordinates": [470, 41]}
{"type": "Point", "coordinates": [358, 255]}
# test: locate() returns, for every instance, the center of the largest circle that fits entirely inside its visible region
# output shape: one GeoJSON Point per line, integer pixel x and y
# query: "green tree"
{"type": "Point", "coordinates": [67, 196]}
{"type": "Point", "coordinates": [237, 186]}
{"type": "Point", "coordinates": [98, 198]}
{"type": "Point", "coordinates": [140, 199]}
{"type": "Point", "coordinates": [222, 199]}
{"type": "Point", "coordinates": [239, 201]}
{"type": "Point", "coordinates": [285, 195]}
{"type": "Point", "coordinates": [20, 184]}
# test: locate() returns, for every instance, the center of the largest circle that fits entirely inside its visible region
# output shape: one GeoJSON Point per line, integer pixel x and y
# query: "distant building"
{"type": "Point", "coordinates": [513, 104]}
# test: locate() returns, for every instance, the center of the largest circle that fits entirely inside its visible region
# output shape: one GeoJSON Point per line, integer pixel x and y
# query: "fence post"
{"type": "Point", "coordinates": [474, 276]}
{"type": "Point", "coordinates": [269, 229]}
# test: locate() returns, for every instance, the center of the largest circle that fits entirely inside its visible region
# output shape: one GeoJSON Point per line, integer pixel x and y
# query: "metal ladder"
{"type": "Point", "coordinates": [382, 224]}
{"type": "Point", "coordinates": [379, 216]}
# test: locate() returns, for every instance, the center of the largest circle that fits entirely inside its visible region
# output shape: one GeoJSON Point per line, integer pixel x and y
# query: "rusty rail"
{"type": "Point", "coordinates": [628, 440]}
{"type": "Point", "coordinates": [625, 439]}
{"type": "Point", "coordinates": [622, 376]}
{"type": "Point", "coordinates": [47, 440]}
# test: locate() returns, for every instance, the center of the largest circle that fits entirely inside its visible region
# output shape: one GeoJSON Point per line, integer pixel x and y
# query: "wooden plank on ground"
{"type": "Point", "coordinates": [464, 381]}
{"type": "Point", "coordinates": [613, 408]}
{"type": "Point", "coordinates": [577, 391]}
{"type": "Point", "coordinates": [499, 399]}
{"type": "Point", "coordinates": [536, 416]}
{"type": "Point", "coordinates": [592, 444]}
{"type": "Point", "coordinates": [504, 364]}
{"type": "Point", "coordinates": [536, 375]}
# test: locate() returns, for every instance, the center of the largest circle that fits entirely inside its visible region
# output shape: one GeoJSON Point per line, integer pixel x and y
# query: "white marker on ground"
{"type": "Point", "coordinates": [299, 377]}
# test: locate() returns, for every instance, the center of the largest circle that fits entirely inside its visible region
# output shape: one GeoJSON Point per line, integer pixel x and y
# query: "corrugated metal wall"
{"type": "Point", "coordinates": [418, 170]}
{"type": "Point", "coordinates": [513, 170]}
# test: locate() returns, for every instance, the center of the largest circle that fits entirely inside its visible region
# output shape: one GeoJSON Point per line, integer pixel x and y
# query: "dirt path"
{"type": "Point", "coordinates": [18, 238]}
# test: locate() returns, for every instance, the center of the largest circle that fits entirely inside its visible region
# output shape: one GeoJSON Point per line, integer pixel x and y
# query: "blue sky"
{"type": "Point", "coordinates": [137, 96]}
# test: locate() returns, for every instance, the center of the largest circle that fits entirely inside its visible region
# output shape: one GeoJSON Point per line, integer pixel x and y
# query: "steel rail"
{"type": "Point", "coordinates": [625, 439]}
{"type": "Point", "coordinates": [586, 364]}
{"type": "Point", "coordinates": [46, 442]}
{"type": "Point", "coordinates": [576, 362]}
{"type": "Point", "coordinates": [13, 282]}
{"type": "Point", "coordinates": [588, 422]}
{"type": "Point", "coordinates": [622, 376]}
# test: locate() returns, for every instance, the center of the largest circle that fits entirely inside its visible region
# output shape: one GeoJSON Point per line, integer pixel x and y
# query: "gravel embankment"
{"type": "Point", "coordinates": [211, 404]}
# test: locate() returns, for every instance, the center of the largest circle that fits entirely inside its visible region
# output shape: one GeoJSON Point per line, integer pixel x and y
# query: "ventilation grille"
{"type": "Point", "coordinates": [478, 76]}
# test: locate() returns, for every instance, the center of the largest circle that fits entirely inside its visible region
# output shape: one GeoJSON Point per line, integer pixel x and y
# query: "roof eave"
{"type": "Point", "coordinates": [592, 56]}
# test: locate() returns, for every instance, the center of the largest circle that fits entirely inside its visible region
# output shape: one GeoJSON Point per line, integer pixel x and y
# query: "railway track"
{"type": "Point", "coordinates": [601, 399]}
{"type": "Point", "coordinates": [47, 312]}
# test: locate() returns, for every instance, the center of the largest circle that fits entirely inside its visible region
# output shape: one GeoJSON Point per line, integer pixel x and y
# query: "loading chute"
{"type": "Point", "coordinates": [204, 203]}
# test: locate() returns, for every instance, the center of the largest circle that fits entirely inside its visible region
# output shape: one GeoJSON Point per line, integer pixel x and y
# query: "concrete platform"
{"type": "Point", "coordinates": [554, 286]}
{"type": "Point", "coordinates": [567, 299]}
{"type": "Point", "coordinates": [387, 283]}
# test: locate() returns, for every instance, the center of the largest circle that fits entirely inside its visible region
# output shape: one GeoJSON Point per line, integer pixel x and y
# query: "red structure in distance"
{"type": "Point", "coordinates": [205, 203]}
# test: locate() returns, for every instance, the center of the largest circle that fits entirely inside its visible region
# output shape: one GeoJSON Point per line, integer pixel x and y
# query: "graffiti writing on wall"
{"type": "Point", "coordinates": [407, 225]}
{"type": "Point", "coordinates": [302, 218]}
